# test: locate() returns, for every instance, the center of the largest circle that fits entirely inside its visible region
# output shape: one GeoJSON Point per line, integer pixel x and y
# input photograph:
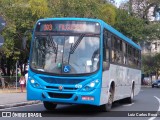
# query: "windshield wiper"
{"type": "Point", "coordinates": [55, 48]}
{"type": "Point", "coordinates": [73, 48]}
{"type": "Point", "coordinates": [52, 43]}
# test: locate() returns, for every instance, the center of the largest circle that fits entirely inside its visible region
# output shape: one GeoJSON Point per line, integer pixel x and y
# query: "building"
{"type": "Point", "coordinates": [150, 47]}
{"type": "Point", "coordinates": [137, 7]}
{"type": "Point", "coordinates": [153, 15]}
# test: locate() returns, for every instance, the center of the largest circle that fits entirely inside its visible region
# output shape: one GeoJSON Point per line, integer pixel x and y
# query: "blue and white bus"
{"type": "Point", "coordinates": [82, 61]}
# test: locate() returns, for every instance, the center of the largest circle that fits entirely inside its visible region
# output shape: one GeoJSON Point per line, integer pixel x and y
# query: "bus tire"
{"type": "Point", "coordinates": [49, 105]}
{"type": "Point", "coordinates": [107, 107]}
{"type": "Point", "coordinates": [130, 99]}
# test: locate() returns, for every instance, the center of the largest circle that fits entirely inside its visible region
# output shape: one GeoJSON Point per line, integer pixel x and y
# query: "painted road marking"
{"type": "Point", "coordinates": [129, 104]}
{"type": "Point", "coordinates": [152, 118]}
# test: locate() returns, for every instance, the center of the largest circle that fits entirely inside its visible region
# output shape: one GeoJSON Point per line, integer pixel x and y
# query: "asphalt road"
{"type": "Point", "coordinates": [146, 102]}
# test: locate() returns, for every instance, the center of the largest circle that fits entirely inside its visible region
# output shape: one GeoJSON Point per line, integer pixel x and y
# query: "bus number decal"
{"type": "Point", "coordinates": [47, 27]}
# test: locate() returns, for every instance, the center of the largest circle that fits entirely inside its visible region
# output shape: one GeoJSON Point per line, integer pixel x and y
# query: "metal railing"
{"type": "Point", "coordinates": [9, 82]}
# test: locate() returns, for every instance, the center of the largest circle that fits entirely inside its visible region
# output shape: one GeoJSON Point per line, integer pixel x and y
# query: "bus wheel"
{"type": "Point", "coordinates": [107, 107]}
{"type": "Point", "coordinates": [130, 99]}
{"type": "Point", "coordinates": [49, 105]}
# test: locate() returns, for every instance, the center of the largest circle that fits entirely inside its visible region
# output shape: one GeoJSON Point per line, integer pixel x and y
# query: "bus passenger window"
{"type": "Point", "coordinates": [113, 56]}
{"type": "Point", "coordinates": [124, 59]}
{"type": "Point", "coordinates": [107, 54]}
{"type": "Point", "coordinates": [118, 57]}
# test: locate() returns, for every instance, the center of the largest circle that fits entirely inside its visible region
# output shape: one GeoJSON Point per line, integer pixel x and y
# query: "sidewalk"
{"type": "Point", "coordinates": [146, 86]}
{"type": "Point", "coordinates": [13, 98]}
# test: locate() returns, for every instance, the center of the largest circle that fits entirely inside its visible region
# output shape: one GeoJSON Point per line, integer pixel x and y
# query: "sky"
{"type": "Point", "coordinates": [120, 1]}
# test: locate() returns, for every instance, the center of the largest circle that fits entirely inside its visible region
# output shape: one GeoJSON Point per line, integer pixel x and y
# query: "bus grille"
{"type": "Point", "coordinates": [56, 88]}
{"type": "Point", "coordinates": [61, 81]}
{"type": "Point", "coordinates": [59, 95]}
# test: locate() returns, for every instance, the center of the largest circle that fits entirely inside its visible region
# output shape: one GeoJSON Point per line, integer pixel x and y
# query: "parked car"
{"type": "Point", "coordinates": [146, 81]}
{"type": "Point", "coordinates": [156, 84]}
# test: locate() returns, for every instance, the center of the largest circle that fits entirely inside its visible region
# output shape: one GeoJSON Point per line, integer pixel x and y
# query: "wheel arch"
{"type": "Point", "coordinates": [112, 86]}
{"type": "Point", "coordinates": [133, 85]}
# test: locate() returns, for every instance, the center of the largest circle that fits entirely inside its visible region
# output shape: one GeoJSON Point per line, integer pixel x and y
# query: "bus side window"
{"type": "Point", "coordinates": [113, 57]}
{"type": "Point", "coordinates": [108, 39]}
{"type": "Point", "coordinates": [119, 51]}
{"type": "Point", "coordinates": [124, 53]}
{"type": "Point", "coordinates": [105, 46]}
{"type": "Point", "coordinates": [139, 59]}
{"type": "Point", "coordinates": [106, 49]}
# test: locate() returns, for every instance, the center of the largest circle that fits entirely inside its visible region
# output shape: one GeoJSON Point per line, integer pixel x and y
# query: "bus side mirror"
{"type": "Point", "coordinates": [105, 65]}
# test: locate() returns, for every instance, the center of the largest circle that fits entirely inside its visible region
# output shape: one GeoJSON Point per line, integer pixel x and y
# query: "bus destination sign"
{"type": "Point", "coordinates": [68, 26]}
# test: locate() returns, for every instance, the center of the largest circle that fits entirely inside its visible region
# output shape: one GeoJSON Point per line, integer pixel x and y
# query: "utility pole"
{"type": "Point", "coordinates": [16, 75]}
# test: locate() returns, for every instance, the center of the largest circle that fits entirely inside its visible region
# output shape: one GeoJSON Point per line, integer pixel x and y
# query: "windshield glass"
{"type": "Point", "coordinates": [65, 54]}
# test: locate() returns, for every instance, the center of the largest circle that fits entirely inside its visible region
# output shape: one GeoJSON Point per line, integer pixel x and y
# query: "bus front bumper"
{"type": "Point", "coordinates": [74, 97]}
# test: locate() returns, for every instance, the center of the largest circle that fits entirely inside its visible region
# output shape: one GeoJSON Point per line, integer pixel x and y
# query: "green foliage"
{"type": "Point", "coordinates": [20, 16]}
{"type": "Point", "coordinates": [108, 13]}
{"type": "Point", "coordinates": [83, 8]}
{"type": "Point", "coordinates": [129, 25]}
{"type": "Point", "coordinates": [151, 63]}
{"type": "Point", "coordinates": [151, 31]}
{"type": "Point", "coordinates": [73, 8]}
{"type": "Point", "coordinates": [39, 8]}
{"type": "Point", "coordinates": [147, 64]}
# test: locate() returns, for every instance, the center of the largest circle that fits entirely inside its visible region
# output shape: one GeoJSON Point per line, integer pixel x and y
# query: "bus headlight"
{"type": "Point", "coordinates": [35, 84]}
{"type": "Point", "coordinates": [90, 86]}
{"type": "Point", "coordinates": [32, 81]}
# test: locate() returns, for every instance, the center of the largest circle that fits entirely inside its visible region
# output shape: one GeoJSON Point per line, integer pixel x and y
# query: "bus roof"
{"type": "Point", "coordinates": [105, 25]}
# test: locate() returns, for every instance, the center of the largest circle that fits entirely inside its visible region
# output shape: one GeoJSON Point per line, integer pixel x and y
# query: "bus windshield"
{"type": "Point", "coordinates": [64, 54]}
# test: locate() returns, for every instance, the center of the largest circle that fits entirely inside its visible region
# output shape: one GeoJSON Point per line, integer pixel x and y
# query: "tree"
{"type": "Point", "coordinates": [21, 16]}
{"type": "Point", "coordinates": [140, 8]}
{"type": "Point", "coordinates": [151, 31]}
{"type": "Point", "coordinates": [151, 64]}
{"type": "Point", "coordinates": [157, 65]}
{"type": "Point", "coordinates": [148, 65]}
{"type": "Point", "coordinates": [83, 8]}
{"type": "Point", "coordinates": [39, 8]}
{"type": "Point", "coordinates": [129, 25]}
{"type": "Point", "coordinates": [108, 13]}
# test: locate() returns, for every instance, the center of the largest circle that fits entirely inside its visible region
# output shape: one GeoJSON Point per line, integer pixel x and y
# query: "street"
{"type": "Point", "coordinates": [147, 100]}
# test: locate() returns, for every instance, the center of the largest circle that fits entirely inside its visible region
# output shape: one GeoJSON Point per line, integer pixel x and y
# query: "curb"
{"type": "Point", "coordinates": [19, 104]}
{"type": "Point", "coordinates": [146, 86]}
